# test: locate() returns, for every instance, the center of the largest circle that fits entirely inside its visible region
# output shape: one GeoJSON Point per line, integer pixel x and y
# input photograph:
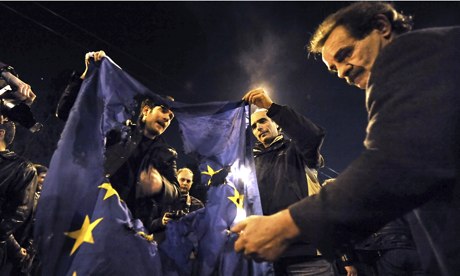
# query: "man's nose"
{"type": "Point", "coordinates": [259, 127]}
{"type": "Point", "coordinates": [344, 70]}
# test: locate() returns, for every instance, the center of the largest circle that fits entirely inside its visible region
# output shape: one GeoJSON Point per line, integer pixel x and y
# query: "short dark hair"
{"type": "Point", "coordinates": [40, 168]}
{"type": "Point", "coordinates": [158, 102]}
{"type": "Point", "coordinates": [359, 19]}
{"type": "Point", "coordinates": [151, 103]}
{"type": "Point", "coordinates": [10, 131]}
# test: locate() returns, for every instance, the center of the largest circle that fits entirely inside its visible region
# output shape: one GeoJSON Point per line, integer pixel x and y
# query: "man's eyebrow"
{"type": "Point", "coordinates": [342, 53]}
{"type": "Point", "coordinates": [261, 120]}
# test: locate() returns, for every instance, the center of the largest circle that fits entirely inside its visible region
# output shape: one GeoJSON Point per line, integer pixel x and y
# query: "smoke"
{"type": "Point", "coordinates": [265, 61]}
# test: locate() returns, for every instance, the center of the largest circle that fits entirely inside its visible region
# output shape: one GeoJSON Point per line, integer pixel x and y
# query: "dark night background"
{"type": "Point", "coordinates": [196, 52]}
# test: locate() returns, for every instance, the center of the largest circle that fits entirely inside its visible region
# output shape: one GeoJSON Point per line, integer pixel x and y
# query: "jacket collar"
{"type": "Point", "coordinates": [275, 144]}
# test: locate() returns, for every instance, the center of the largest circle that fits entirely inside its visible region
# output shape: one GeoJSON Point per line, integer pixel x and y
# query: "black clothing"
{"type": "Point", "coordinates": [18, 181]}
{"type": "Point", "coordinates": [281, 168]}
{"type": "Point", "coordinates": [389, 251]}
{"type": "Point", "coordinates": [69, 96]}
{"type": "Point", "coordinates": [412, 155]}
{"type": "Point", "coordinates": [128, 152]}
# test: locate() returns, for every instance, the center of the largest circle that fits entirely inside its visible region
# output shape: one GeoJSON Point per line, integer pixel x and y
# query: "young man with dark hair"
{"type": "Point", "coordinates": [140, 164]}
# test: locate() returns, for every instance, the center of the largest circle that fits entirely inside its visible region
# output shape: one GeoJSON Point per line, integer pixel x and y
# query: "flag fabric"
{"type": "Point", "coordinates": [217, 136]}
{"type": "Point", "coordinates": [77, 231]}
{"type": "Point", "coordinates": [83, 228]}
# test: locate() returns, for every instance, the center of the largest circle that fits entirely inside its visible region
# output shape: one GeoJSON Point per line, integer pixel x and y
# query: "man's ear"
{"type": "Point", "coordinates": [145, 111]}
{"type": "Point", "coordinates": [383, 25]}
{"type": "Point", "coordinates": [2, 134]}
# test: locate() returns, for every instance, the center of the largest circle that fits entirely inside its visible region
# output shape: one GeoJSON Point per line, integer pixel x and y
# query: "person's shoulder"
{"type": "Point", "coordinates": [19, 161]}
{"type": "Point", "coordinates": [428, 35]}
{"type": "Point", "coordinates": [411, 47]}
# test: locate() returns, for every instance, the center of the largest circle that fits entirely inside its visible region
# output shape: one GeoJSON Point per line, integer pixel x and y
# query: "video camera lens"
{"type": "Point", "coordinates": [18, 112]}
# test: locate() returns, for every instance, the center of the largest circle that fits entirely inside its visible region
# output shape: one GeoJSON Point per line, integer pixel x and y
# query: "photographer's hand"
{"type": "Point", "coordinates": [166, 218]}
{"type": "Point", "coordinates": [23, 90]}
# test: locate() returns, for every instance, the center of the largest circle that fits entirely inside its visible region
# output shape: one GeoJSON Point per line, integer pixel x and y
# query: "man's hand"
{"type": "Point", "coordinates": [351, 270]}
{"type": "Point", "coordinates": [150, 182]}
{"type": "Point", "coordinates": [259, 98]}
{"type": "Point", "coordinates": [97, 56]}
{"type": "Point", "coordinates": [23, 90]}
{"type": "Point", "coordinates": [166, 218]}
{"type": "Point", "coordinates": [265, 237]}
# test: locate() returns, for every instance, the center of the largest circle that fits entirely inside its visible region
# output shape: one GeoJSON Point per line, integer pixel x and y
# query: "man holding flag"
{"type": "Point", "coordinates": [286, 172]}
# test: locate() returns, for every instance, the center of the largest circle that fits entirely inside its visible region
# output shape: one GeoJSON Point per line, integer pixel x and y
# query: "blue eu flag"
{"type": "Point", "coordinates": [217, 135]}
{"type": "Point", "coordinates": [82, 226]}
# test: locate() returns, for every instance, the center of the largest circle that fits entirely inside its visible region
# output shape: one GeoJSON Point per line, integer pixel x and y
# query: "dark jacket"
{"type": "Point", "coordinates": [281, 168]}
{"type": "Point", "coordinates": [411, 159]}
{"type": "Point", "coordinates": [126, 159]}
{"type": "Point", "coordinates": [128, 152]}
{"type": "Point", "coordinates": [393, 235]}
{"type": "Point", "coordinates": [18, 181]}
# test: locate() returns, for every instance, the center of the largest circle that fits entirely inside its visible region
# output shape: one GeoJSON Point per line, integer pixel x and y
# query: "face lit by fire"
{"type": "Point", "coordinates": [185, 178]}
{"type": "Point", "coordinates": [263, 128]}
{"type": "Point", "coordinates": [156, 119]}
{"type": "Point", "coordinates": [352, 59]}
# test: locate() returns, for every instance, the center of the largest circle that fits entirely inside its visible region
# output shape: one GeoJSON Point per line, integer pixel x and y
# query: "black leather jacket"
{"type": "Point", "coordinates": [395, 234]}
{"type": "Point", "coordinates": [127, 152]}
{"type": "Point", "coordinates": [18, 182]}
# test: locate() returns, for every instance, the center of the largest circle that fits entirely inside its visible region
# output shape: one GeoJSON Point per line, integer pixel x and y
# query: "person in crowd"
{"type": "Point", "coordinates": [411, 157]}
{"type": "Point", "coordinates": [18, 181]}
{"type": "Point", "coordinates": [286, 166]}
{"type": "Point", "coordinates": [186, 204]}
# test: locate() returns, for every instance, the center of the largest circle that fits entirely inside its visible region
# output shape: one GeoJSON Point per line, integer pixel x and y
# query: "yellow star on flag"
{"type": "Point", "coordinates": [84, 234]}
{"type": "Point", "coordinates": [237, 199]}
{"type": "Point", "coordinates": [210, 172]}
{"type": "Point", "coordinates": [110, 190]}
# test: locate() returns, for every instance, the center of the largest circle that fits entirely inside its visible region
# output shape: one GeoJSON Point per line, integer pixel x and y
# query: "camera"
{"type": "Point", "coordinates": [17, 111]}
{"type": "Point", "coordinates": [177, 214]}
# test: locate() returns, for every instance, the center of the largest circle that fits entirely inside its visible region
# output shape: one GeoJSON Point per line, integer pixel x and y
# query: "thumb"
{"type": "Point", "coordinates": [239, 227]}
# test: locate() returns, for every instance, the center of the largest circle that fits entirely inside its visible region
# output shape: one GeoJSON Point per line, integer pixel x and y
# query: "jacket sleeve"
{"type": "Point", "coordinates": [68, 97]}
{"type": "Point", "coordinates": [411, 147]}
{"type": "Point", "coordinates": [307, 136]}
{"type": "Point", "coordinates": [20, 201]}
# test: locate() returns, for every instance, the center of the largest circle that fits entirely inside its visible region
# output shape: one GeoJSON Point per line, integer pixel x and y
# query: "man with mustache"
{"type": "Point", "coordinates": [411, 160]}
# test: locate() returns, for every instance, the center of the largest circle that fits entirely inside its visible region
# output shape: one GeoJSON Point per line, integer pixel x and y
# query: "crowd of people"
{"type": "Point", "coordinates": [393, 211]}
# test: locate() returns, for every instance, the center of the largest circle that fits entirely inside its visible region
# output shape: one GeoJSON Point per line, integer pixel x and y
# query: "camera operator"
{"type": "Point", "coordinates": [16, 97]}
{"type": "Point", "coordinates": [187, 203]}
